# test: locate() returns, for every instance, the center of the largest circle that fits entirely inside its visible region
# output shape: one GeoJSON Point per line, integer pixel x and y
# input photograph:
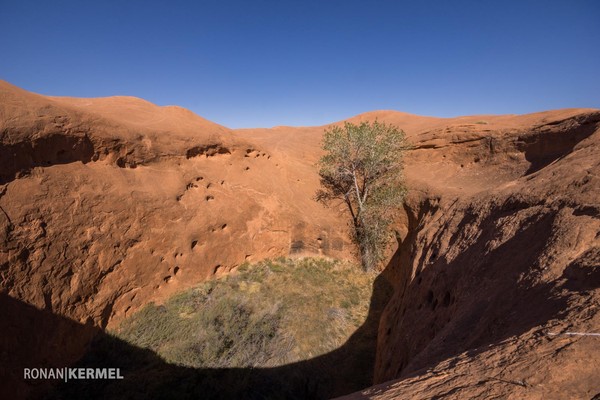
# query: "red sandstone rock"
{"type": "Point", "coordinates": [108, 204]}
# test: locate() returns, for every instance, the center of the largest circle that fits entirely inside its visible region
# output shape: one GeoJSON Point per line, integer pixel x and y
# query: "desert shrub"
{"type": "Point", "coordinates": [267, 314]}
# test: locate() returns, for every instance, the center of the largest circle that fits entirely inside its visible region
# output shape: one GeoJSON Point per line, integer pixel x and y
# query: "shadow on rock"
{"type": "Point", "coordinates": [33, 338]}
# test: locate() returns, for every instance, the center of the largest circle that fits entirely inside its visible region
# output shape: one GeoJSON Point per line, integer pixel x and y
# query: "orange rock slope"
{"type": "Point", "coordinates": [111, 203]}
{"type": "Point", "coordinates": [107, 204]}
{"type": "Point", "coordinates": [498, 276]}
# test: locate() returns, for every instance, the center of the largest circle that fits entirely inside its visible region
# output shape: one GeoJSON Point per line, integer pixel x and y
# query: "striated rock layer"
{"type": "Point", "coordinates": [108, 204]}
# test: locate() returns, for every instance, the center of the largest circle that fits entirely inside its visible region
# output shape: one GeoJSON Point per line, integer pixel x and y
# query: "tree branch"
{"type": "Point", "coordinates": [349, 204]}
{"type": "Point", "coordinates": [358, 197]}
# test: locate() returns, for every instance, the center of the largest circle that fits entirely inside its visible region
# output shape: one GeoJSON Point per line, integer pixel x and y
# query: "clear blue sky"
{"type": "Point", "coordinates": [264, 63]}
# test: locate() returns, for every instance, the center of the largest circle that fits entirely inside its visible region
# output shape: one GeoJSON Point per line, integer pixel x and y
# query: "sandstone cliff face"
{"type": "Point", "coordinates": [108, 204]}
{"type": "Point", "coordinates": [491, 278]}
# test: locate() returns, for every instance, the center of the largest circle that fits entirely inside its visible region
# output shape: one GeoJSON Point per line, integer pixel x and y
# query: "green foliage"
{"type": "Point", "coordinates": [264, 315]}
{"type": "Point", "coordinates": [286, 329]}
{"type": "Point", "coordinates": [363, 168]}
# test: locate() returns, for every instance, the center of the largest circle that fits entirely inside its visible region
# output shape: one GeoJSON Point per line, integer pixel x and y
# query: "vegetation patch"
{"type": "Point", "coordinates": [263, 315]}
{"type": "Point", "coordinates": [284, 329]}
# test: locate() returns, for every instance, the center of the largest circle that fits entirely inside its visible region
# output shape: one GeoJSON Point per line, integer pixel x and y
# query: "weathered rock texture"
{"type": "Point", "coordinates": [499, 264]}
{"type": "Point", "coordinates": [108, 204]}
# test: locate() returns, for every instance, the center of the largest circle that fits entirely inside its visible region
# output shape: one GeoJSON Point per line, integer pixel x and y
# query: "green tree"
{"type": "Point", "coordinates": [362, 166]}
